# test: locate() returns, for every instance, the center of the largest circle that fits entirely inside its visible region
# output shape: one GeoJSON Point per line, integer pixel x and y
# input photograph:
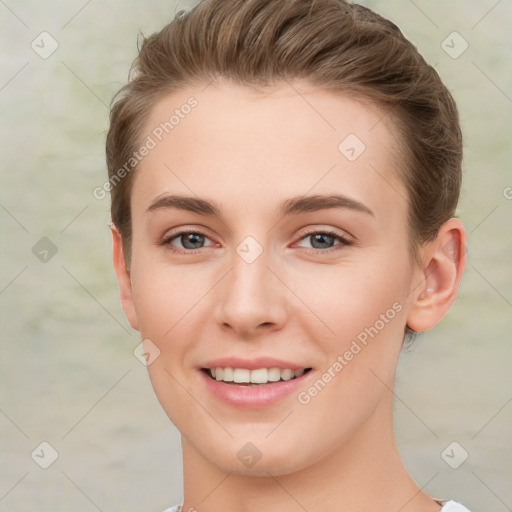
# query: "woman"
{"type": "Point", "coordinates": [284, 177]}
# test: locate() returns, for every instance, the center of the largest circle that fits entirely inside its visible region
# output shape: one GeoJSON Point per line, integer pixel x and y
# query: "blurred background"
{"type": "Point", "coordinates": [69, 375]}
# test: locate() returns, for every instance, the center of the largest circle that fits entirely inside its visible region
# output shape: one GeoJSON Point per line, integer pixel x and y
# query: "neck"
{"type": "Point", "coordinates": [365, 473]}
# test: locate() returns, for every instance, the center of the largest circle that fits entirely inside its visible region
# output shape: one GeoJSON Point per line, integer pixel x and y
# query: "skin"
{"type": "Point", "coordinates": [248, 152]}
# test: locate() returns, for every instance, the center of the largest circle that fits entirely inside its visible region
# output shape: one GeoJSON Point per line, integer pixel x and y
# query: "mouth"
{"type": "Point", "coordinates": [254, 377]}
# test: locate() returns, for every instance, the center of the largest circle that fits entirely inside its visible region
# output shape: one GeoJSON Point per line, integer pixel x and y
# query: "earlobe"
{"type": "Point", "coordinates": [123, 278]}
{"type": "Point", "coordinates": [444, 262]}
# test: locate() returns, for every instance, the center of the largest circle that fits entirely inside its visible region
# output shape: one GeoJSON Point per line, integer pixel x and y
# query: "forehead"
{"type": "Point", "coordinates": [239, 145]}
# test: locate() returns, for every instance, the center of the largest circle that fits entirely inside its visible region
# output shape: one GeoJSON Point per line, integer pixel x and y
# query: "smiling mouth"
{"type": "Point", "coordinates": [257, 377]}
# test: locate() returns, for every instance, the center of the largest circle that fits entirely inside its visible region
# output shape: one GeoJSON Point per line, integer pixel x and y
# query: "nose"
{"type": "Point", "coordinates": [251, 299]}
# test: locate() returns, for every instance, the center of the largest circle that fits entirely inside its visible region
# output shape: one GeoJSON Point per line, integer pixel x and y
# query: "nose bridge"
{"type": "Point", "coordinates": [250, 295]}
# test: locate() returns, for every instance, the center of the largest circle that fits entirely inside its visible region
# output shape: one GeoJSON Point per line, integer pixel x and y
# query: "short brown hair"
{"type": "Point", "coordinates": [338, 46]}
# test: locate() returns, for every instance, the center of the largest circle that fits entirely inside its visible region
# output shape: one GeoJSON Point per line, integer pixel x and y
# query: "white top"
{"type": "Point", "coordinates": [448, 506]}
{"type": "Point", "coordinates": [452, 506]}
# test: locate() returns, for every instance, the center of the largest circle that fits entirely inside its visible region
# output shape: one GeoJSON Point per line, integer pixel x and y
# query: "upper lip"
{"type": "Point", "coordinates": [253, 363]}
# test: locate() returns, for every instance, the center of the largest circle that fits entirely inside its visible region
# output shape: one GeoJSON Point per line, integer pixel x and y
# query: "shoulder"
{"type": "Point", "coordinates": [453, 506]}
{"type": "Point", "coordinates": [448, 506]}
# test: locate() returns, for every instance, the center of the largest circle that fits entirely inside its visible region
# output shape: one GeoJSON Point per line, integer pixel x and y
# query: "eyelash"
{"type": "Point", "coordinates": [344, 242]}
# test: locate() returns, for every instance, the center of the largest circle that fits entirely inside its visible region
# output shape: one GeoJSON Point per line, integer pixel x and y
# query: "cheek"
{"type": "Point", "coordinates": [165, 297]}
{"type": "Point", "coordinates": [166, 300]}
{"type": "Point", "coordinates": [348, 298]}
{"type": "Point", "coordinates": [361, 312]}
{"type": "Point", "coordinates": [367, 318]}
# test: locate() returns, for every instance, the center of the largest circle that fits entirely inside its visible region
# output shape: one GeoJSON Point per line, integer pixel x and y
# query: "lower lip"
{"type": "Point", "coordinates": [262, 395]}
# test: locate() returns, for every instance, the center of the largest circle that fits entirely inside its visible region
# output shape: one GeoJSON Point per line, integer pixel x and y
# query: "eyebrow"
{"type": "Point", "coordinates": [292, 206]}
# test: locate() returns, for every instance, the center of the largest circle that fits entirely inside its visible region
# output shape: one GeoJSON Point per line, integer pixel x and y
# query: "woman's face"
{"type": "Point", "coordinates": [274, 275]}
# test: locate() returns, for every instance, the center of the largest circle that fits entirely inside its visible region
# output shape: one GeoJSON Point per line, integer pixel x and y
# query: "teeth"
{"type": "Point", "coordinates": [273, 374]}
{"type": "Point", "coordinates": [287, 374]}
{"type": "Point", "coordinates": [258, 376]}
{"type": "Point", "coordinates": [227, 375]}
{"type": "Point", "coordinates": [241, 375]}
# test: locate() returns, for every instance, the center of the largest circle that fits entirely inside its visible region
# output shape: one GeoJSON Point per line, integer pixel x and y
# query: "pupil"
{"type": "Point", "coordinates": [193, 238]}
{"type": "Point", "coordinates": [319, 237]}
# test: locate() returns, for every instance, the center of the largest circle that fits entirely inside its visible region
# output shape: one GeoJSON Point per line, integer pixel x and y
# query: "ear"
{"type": "Point", "coordinates": [444, 260]}
{"type": "Point", "coordinates": [123, 278]}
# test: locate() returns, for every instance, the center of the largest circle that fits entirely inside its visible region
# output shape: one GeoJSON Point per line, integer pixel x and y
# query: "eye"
{"type": "Point", "coordinates": [190, 241]}
{"type": "Point", "coordinates": [323, 241]}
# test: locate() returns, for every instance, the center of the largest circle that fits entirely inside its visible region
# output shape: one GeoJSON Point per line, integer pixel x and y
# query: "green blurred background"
{"type": "Point", "coordinates": [68, 373]}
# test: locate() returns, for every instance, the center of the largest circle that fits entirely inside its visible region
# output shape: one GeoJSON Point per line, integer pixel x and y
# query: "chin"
{"type": "Point", "coordinates": [260, 457]}
{"type": "Point", "coordinates": [274, 464]}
